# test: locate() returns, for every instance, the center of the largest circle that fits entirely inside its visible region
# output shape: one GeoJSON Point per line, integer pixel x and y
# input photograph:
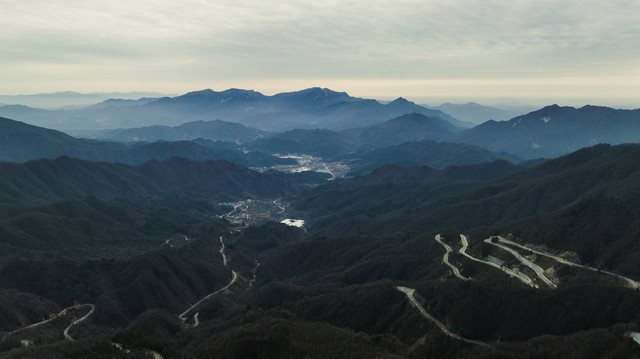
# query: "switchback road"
{"type": "Point", "coordinates": [511, 272]}
{"type": "Point", "coordinates": [445, 258]}
{"type": "Point", "coordinates": [536, 268]}
{"type": "Point", "coordinates": [630, 282]}
{"type": "Point", "coordinates": [63, 312]}
{"type": "Point", "coordinates": [78, 321]}
{"type": "Point", "coordinates": [234, 277]}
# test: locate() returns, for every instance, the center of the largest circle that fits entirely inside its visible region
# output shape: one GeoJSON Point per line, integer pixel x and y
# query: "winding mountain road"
{"type": "Point", "coordinates": [221, 251]}
{"type": "Point", "coordinates": [254, 273]}
{"type": "Point", "coordinates": [409, 293]}
{"type": "Point", "coordinates": [445, 258]}
{"type": "Point", "coordinates": [61, 313]}
{"type": "Point", "coordinates": [184, 316]}
{"type": "Point", "coordinates": [536, 268]}
{"type": "Point", "coordinates": [78, 321]}
{"type": "Point", "coordinates": [154, 354]}
{"type": "Point", "coordinates": [511, 272]}
{"type": "Point", "coordinates": [632, 283]}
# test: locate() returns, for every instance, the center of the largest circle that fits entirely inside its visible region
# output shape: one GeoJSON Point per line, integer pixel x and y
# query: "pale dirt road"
{"type": "Point", "coordinates": [536, 268]}
{"type": "Point", "coordinates": [409, 293]}
{"type": "Point", "coordinates": [61, 313]}
{"type": "Point", "coordinates": [511, 272]}
{"type": "Point", "coordinates": [445, 258]}
{"type": "Point", "coordinates": [630, 282]}
{"type": "Point", "coordinates": [78, 321]}
{"type": "Point", "coordinates": [184, 316]}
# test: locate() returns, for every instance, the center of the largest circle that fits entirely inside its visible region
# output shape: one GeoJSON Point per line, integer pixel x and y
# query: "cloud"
{"type": "Point", "coordinates": [245, 39]}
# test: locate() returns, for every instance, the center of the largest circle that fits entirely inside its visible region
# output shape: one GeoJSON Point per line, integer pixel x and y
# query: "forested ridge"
{"type": "Point", "coordinates": [145, 243]}
{"type": "Point", "coordinates": [65, 177]}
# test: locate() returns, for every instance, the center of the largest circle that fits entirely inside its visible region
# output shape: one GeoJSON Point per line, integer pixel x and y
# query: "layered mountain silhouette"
{"type": "Point", "coordinates": [345, 115]}
{"type": "Point", "coordinates": [310, 108]}
{"type": "Point", "coordinates": [24, 142]}
{"type": "Point", "coordinates": [333, 144]}
{"type": "Point", "coordinates": [215, 130]}
{"type": "Point", "coordinates": [20, 142]}
{"type": "Point", "coordinates": [410, 127]}
{"type": "Point", "coordinates": [554, 130]}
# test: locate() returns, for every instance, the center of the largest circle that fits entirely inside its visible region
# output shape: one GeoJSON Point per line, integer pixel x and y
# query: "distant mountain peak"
{"type": "Point", "coordinates": [200, 92]}
{"type": "Point", "coordinates": [320, 92]}
{"type": "Point", "coordinates": [319, 89]}
{"type": "Point", "coordinates": [555, 107]}
{"type": "Point", "coordinates": [324, 90]}
{"type": "Point", "coordinates": [210, 97]}
{"type": "Point", "coordinates": [556, 130]}
{"type": "Point", "coordinates": [228, 92]}
{"type": "Point", "coordinates": [237, 91]}
{"type": "Point", "coordinates": [412, 117]}
{"type": "Point", "coordinates": [399, 101]}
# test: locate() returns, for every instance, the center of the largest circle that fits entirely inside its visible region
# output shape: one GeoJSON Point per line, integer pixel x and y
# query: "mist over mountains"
{"type": "Point", "coordinates": [217, 139]}
{"type": "Point", "coordinates": [548, 132]}
{"type": "Point", "coordinates": [477, 114]}
{"type": "Point", "coordinates": [70, 99]}
{"type": "Point", "coordinates": [215, 130]}
{"type": "Point", "coordinates": [310, 108]}
{"type": "Point", "coordinates": [22, 142]}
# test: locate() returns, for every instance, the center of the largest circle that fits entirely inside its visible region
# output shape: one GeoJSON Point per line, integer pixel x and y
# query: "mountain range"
{"type": "Point", "coordinates": [22, 142]}
{"type": "Point", "coordinates": [344, 115]}
{"type": "Point", "coordinates": [209, 140]}
{"type": "Point", "coordinates": [215, 130]}
{"type": "Point", "coordinates": [310, 108]}
{"type": "Point", "coordinates": [437, 245]}
{"type": "Point", "coordinates": [555, 130]}
{"type": "Point", "coordinates": [335, 144]}
{"type": "Point", "coordinates": [548, 132]}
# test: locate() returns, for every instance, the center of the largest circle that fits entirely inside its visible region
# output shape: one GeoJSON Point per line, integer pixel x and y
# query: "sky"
{"type": "Point", "coordinates": [531, 51]}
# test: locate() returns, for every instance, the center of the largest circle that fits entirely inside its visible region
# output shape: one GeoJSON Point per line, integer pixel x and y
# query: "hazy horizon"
{"type": "Point", "coordinates": [571, 52]}
{"type": "Point", "coordinates": [499, 102]}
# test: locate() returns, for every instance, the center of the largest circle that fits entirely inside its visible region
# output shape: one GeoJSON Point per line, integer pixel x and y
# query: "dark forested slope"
{"type": "Point", "coordinates": [425, 153]}
{"type": "Point", "coordinates": [274, 291]}
{"type": "Point", "coordinates": [391, 199]}
{"type": "Point", "coordinates": [47, 180]}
